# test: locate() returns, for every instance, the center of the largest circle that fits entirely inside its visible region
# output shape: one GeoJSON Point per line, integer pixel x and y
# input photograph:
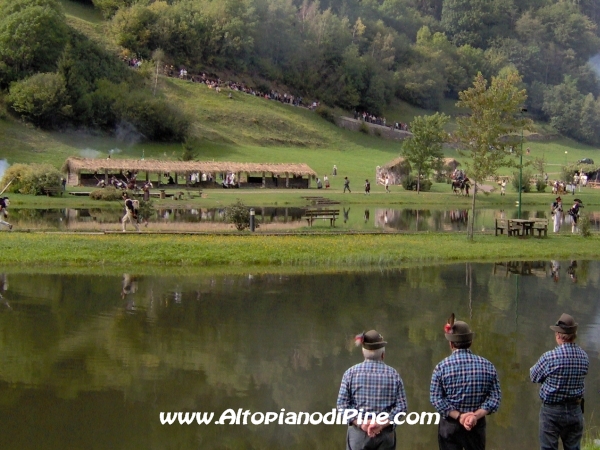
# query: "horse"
{"type": "Point", "coordinates": [460, 186]}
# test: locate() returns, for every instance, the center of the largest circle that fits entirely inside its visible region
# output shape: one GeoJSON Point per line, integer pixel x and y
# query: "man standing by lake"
{"type": "Point", "coordinates": [464, 389]}
{"type": "Point", "coordinates": [562, 372]}
{"type": "Point", "coordinates": [372, 387]}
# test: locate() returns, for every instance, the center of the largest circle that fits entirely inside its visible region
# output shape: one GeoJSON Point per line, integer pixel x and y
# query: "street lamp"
{"type": "Point", "coordinates": [523, 110]}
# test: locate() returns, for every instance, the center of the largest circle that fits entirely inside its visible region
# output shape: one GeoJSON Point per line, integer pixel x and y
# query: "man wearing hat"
{"type": "Point", "coordinates": [373, 387]}
{"type": "Point", "coordinates": [464, 389]}
{"type": "Point", "coordinates": [4, 202]}
{"type": "Point", "coordinates": [561, 372]}
{"type": "Point", "coordinates": [557, 213]}
{"type": "Point", "coordinates": [574, 213]}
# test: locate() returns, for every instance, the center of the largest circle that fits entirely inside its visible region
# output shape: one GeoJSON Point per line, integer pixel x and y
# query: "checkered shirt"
{"type": "Point", "coordinates": [464, 382]}
{"type": "Point", "coordinates": [372, 386]}
{"type": "Point", "coordinates": [561, 372]}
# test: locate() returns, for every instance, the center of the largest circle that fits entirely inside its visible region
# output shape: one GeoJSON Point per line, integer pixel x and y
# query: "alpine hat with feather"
{"type": "Point", "coordinates": [458, 331]}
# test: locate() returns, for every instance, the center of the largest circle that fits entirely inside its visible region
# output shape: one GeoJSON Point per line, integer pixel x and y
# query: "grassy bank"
{"type": "Point", "coordinates": [298, 250]}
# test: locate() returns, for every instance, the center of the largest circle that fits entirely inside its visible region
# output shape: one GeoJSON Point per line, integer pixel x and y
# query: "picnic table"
{"type": "Point", "coordinates": [522, 227]}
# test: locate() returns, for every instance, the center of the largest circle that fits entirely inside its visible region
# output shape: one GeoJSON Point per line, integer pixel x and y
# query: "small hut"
{"type": "Point", "coordinates": [395, 170]}
{"type": "Point", "coordinates": [88, 172]}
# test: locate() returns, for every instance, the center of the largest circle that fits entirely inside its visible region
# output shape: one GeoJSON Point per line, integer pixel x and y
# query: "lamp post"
{"type": "Point", "coordinates": [523, 110]}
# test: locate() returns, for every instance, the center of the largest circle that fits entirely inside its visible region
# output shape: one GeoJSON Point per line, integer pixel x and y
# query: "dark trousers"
{"type": "Point", "coordinates": [563, 421]}
{"type": "Point", "coordinates": [357, 439]}
{"type": "Point", "coordinates": [453, 436]}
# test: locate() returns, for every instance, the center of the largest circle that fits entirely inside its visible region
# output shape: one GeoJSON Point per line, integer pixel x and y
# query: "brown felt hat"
{"type": "Point", "coordinates": [372, 340]}
{"type": "Point", "coordinates": [565, 324]}
{"type": "Point", "coordinates": [460, 332]}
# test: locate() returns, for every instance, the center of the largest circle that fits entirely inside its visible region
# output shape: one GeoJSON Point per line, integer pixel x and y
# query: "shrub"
{"type": "Point", "coordinates": [363, 128]}
{"type": "Point", "coordinates": [410, 184]}
{"type": "Point", "coordinates": [31, 179]}
{"type": "Point", "coordinates": [40, 99]}
{"type": "Point", "coordinates": [525, 185]}
{"type": "Point", "coordinates": [109, 193]}
{"type": "Point", "coordinates": [238, 214]}
{"type": "Point", "coordinates": [584, 225]}
{"type": "Point", "coordinates": [326, 113]}
{"type": "Point", "coordinates": [540, 185]}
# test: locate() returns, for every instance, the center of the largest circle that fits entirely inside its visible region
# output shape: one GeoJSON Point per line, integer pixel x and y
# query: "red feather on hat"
{"type": "Point", "coordinates": [450, 324]}
{"type": "Point", "coordinates": [359, 338]}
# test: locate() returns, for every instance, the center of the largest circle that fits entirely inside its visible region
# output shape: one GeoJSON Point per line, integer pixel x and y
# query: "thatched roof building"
{"type": "Point", "coordinates": [75, 167]}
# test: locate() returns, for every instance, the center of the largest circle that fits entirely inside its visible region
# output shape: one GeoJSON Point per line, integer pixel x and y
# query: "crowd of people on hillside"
{"type": "Point", "coordinates": [372, 118]}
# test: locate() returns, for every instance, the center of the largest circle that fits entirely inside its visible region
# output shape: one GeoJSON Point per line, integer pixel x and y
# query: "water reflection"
{"type": "Point", "coordinates": [391, 219]}
{"type": "Point", "coordinates": [92, 360]}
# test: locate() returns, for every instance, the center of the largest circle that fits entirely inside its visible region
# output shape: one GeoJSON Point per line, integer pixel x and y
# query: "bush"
{"type": "Point", "coordinates": [109, 194]}
{"type": "Point", "coordinates": [326, 113]}
{"type": "Point", "coordinates": [526, 176]}
{"type": "Point", "coordinates": [584, 225]}
{"type": "Point", "coordinates": [31, 179]}
{"type": "Point", "coordinates": [40, 99]}
{"type": "Point", "coordinates": [238, 214]}
{"type": "Point", "coordinates": [363, 128]}
{"type": "Point", "coordinates": [540, 185]}
{"type": "Point", "coordinates": [410, 184]}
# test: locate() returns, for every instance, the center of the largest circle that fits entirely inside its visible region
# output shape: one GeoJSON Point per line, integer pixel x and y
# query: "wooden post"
{"type": "Point", "coordinates": [159, 177]}
{"type": "Point", "coordinates": [105, 176]}
{"type": "Point", "coordinates": [264, 181]}
{"type": "Point", "coordinates": [239, 178]}
{"type": "Point", "coordinates": [309, 177]}
{"type": "Point", "coordinates": [147, 176]}
{"type": "Point", "coordinates": [287, 179]}
{"type": "Point", "coordinates": [175, 178]}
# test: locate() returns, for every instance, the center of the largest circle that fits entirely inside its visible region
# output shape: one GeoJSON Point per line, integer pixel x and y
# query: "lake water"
{"type": "Point", "coordinates": [89, 362]}
{"type": "Point", "coordinates": [354, 217]}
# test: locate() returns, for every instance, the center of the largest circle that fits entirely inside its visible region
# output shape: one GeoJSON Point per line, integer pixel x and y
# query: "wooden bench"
{"type": "Point", "coordinates": [502, 225]}
{"type": "Point", "coordinates": [53, 190]}
{"type": "Point", "coordinates": [312, 214]}
{"type": "Point", "coordinates": [541, 226]}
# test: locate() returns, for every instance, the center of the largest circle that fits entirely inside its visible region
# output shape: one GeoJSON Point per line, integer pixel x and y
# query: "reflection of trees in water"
{"type": "Point", "coordinates": [275, 341]}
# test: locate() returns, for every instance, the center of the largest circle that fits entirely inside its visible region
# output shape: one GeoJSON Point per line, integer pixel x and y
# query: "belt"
{"type": "Point", "coordinates": [570, 401]}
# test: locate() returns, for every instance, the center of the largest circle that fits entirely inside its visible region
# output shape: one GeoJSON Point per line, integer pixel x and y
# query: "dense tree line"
{"type": "Point", "coordinates": [54, 77]}
{"type": "Point", "coordinates": [362, 53]}
{"type": "Point", "coordinates": [357, 54]}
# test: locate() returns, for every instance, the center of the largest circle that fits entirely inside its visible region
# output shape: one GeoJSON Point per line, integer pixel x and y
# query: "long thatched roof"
{"type": "Point", "coordinates": [77, 165]}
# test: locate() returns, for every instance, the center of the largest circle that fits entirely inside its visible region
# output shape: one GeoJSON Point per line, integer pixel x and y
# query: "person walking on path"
{"type": "Point", "coordinates": [372, 387]}
{"type": "Point", "coordinates": [503, 187]}
{"type": "Point", "coordinates": [464, 389]}
{"type": "Point", "coordinates": [326, 181]}
{"type": "Point", "coordinates": [561, 372]}
{"type": "Point", "coordinates": [130, 213]}
{"type": "Point", "coordinates": [387, 184]}
{"type": "Point", "coordinates": [367, 187]}
{"type": "Point", "coordinates": [334, 173]}
{"type": "Point", "coordinates": [346, 185]}
{"type": "Point", "coordinates": [4, 202]}
{"type": "Point", "coordinates": [557, 211]}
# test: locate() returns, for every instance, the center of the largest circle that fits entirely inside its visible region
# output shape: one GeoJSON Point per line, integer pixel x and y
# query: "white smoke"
{"type": "Point", "coordinates": [595, 63]}
{"type": "Point", "coordinates": [3, 166]}
{"type": "Point", "coordinates": [89, 153]}
{"type": "Point", "coordinates": [126, 132]}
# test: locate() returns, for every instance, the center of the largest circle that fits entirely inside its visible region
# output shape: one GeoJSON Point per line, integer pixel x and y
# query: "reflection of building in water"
{"type": "Point", "coordinates": [386, 218]}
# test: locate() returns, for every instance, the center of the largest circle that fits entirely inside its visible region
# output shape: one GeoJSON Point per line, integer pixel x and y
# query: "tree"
{"type": "Point", "coordinates": [425, 146]}
{"type": "Point", "coordinates": [189, 152]}
{"type": "Point", "coordinates": [488, 133]}
{"type": "Point", "coordinates": [40, 99]}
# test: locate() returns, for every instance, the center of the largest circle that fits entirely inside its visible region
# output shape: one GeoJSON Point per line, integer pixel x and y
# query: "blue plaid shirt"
{"type": "Point", "coordinates": [561, 372]}
{"type": "Point", "coordinates": [464, 382]}
{"type": "Point", "coordinates": [372, 386]}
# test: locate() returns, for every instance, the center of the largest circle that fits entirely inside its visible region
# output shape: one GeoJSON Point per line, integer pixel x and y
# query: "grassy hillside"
{"type": "Point", "coordinates": [244, 128]}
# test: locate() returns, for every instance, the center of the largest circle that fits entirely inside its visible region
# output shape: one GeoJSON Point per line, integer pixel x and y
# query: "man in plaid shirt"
{"type": "Point", "coordinates": [561, 372]}
{"type": "Point", "coordinates": [464, 389]}
{"type": "Point", "coordinates": [373, 387]}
